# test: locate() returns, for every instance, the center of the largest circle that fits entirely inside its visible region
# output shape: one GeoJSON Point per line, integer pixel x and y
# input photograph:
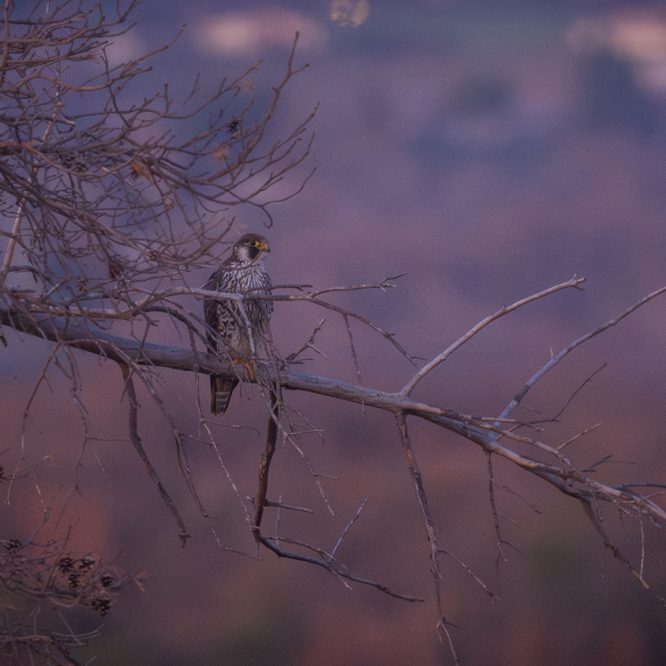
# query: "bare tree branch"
{"type": "Point", "coordinates": [566, 478]}
{"type": "Point", "coordinates": [573, 283]}
{"type": "Point", "coordinates": [112, 194]}
{"type": "Point", "coordinates": [138, 446]}
{"type": "Point", "coordinates": [554, 360]}
{"type": "Point", "coordinates": [431, 532]}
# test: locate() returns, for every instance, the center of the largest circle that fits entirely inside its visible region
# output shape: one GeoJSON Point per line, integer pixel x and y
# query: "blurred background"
{"type": "Point", "coordinates": [487, 150]}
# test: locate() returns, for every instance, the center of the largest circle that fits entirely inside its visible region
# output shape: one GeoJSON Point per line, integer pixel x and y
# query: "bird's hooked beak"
{"type": "Point", "coordinates": [263, 246]}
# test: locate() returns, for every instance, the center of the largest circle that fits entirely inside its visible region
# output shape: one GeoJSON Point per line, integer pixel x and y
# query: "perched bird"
{"type": "Point", "coordinates": [229, 332]}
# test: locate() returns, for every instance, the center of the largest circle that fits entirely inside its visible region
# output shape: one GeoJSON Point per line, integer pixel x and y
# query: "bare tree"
{"type": "Point", "coordinates": [108, 205]}
{"type": "Point", "coordinates": [107, 200]}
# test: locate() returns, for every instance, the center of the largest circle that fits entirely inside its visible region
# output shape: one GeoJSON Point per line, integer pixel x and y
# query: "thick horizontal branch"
{"type": "Point", "coordinates": [84, 335]}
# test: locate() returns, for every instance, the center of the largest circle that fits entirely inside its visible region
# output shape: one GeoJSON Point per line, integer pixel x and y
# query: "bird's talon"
{"type": "Point", "coordinates": [248, 367]}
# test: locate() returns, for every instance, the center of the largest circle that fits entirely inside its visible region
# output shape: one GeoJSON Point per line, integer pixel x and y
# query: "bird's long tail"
{"type": "Point", "coordinates": [221, 388]}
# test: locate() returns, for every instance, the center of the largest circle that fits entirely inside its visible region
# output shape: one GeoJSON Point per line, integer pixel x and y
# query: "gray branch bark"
{"type": "Point", "coordinates": [84, 335]}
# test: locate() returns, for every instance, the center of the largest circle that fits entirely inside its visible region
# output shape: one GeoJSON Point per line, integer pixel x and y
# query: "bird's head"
{"type": "Point", "coordinates": [250, 248]}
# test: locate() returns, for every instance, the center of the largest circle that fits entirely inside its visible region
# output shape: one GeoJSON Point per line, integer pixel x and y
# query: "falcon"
{"type": "Point", "coordinates": [229, 332]}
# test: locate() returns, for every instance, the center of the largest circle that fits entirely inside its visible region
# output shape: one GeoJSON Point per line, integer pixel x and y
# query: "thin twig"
{"type": "Point", "coordinates": [574, 282]}
{"type": "Point", "coordinates": [348, 526]}
{"type": "Point", "coordinates": [431, 532]}
{"type": "Point", "coordinates": [554, 360]}
{"type": "Point", "coordinates": [331, 566]}
{"type": "Point", "coordinates": [138, 446]}
{"type": "Point", "coordinates": [261, 501]}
